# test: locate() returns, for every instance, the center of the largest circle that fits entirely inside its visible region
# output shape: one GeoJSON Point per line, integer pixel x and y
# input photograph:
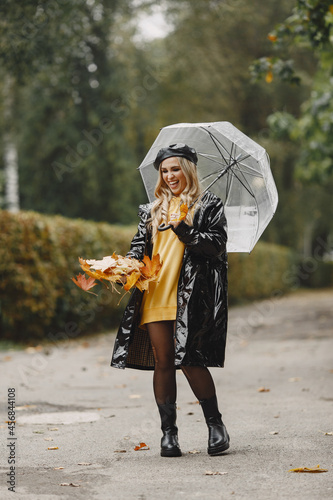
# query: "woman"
{"type": "Point", "coordinates": [181, 322]}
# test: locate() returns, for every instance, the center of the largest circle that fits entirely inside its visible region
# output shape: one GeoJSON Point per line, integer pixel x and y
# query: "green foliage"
{"type": "Point", "coordinates": [39, 255]}
{"type": "Point", "coordinates": [206, 63]}
{"type": "Point", "coordinates": [315, 274]}
{"type": "Point", "coordinates": [281, 124]}
{"type": "Point", "coordinates": [261, 274]}
{"type": "Point", "coordinates": [305, 35]}
{"type": "Point", "coordinates": [68, 70]}
{"type": "Point", "coordinates": [309, 26]}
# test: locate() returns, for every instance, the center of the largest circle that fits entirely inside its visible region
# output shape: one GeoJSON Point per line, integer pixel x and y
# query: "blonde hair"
{"type": "Point", "coordinates": [159, 212]}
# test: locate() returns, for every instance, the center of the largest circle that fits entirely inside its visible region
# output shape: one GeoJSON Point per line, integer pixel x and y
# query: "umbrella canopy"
{"type": "Point", "coordinates": [232, 166]}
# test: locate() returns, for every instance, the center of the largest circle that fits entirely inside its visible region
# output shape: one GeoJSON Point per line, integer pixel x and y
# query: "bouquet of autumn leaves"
{"type": "Point", "coordinates": [117, 269]}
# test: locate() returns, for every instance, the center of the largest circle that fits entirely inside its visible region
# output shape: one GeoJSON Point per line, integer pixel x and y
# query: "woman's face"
{"type": "Point", "coordinates": [173, 175]}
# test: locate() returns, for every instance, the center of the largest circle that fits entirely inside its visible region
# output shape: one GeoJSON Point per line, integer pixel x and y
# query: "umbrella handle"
{"type": "Point", "coordinates": [163, 227]}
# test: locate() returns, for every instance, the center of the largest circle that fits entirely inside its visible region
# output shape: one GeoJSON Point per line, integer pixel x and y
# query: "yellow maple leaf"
{"type": "Point", "coordinates": [308, 469]}
{"type": "Point", "coordinates": [131, 280]}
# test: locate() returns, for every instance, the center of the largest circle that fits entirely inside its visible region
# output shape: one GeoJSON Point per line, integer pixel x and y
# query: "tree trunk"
{"type": "Point", "coordinates": [12, 202]}
{"type": "Point", "coordinates": [12, 199]}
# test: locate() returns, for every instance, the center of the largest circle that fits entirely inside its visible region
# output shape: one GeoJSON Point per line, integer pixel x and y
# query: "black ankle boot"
{"type": "Point", "coordinates": [218, 439]}
{"type": "Point", "coordinates": [169, 441]}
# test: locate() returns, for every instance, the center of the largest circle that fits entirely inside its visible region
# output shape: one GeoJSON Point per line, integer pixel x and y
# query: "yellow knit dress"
{"type": "Point", "coordinates": [159, 302]}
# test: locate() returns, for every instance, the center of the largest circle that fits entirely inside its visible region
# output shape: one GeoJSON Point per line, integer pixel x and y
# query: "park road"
{"type": "Point", "coordinates": [78, 420]}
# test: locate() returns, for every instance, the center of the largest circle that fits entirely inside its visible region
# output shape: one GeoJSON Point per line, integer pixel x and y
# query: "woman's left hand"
{"type": "Point", "coordinates": [174, 223]}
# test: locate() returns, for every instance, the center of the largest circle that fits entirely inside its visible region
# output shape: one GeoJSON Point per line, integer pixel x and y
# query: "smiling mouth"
{"type": "Point", "coordinates": [173, 184]}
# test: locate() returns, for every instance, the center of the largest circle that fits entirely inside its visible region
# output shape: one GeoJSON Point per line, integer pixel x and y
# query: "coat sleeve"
{"type": "Point", "coordinates": [211, 240]}
{"type": "Point", "coordinates": [138, 243]}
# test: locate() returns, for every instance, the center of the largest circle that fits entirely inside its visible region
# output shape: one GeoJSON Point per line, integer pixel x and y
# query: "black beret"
{"type": "Point", "coordinates": [176, 150]}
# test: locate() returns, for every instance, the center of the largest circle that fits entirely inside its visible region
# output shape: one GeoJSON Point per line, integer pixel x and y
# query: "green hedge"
{"type": "Point", "coordinates": [314, 273]}
{"type": "Point", "coordinates": [39, 255]}
{"type": "Point", "coordinates": [264, 272]}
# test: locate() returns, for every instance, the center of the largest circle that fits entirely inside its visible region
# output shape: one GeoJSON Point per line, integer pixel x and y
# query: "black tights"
{"type": "Point", "coordinates": [161, 334]}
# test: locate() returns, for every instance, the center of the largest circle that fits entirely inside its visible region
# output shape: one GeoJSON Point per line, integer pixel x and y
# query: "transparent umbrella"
{"type": "Point", "coordinates": [232, 166]}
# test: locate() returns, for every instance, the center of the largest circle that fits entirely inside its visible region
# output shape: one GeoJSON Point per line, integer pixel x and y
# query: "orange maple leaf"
{"type": "Point", "coordinates": [151, 266]}
{"type": "Point", "coordinates": [183, 212]}
{"type": "Point", "coordinates": [84, 283]}
{"type": "Point", "coordinates": [141, 446]}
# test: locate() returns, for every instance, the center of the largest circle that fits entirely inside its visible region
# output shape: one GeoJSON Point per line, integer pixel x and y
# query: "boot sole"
{"type": "Point", "coordinates": [171, 453]}
{"type": "Point", "coordinates": [219, 450]}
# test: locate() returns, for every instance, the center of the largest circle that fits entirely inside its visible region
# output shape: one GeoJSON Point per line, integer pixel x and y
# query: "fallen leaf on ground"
{"type": "Point", "coordinates": [25, 407]}
{"type": "Point", "coordinates": [53, 448]}
{"type": "Point", "coordinates": [58, 468]}
{"type": "Point", "coordinates": [142, 446]}
{"type": "Point", "coordinates": [30, 350]}
{"type": "Point", "coordinates": [193, 452]}
{"type": "Point", "coordinates": [69, 484]}
{"type": "Point", "coordinates": [53, 429]}
{"type": "Point", "coordinates": [274, 432]}
{"type": "Point", "coordinates": [327, 433]}
{"type": "Point", "coordinates": [216, 473]}
{"type": "Point", "coordinates": [120, 451]}
{"type": "Point", "coordinates": [263, 389]}
{"type": "Point", "coordinates": [308, 469]}
{"type": "Point", "coordinates": [84, 463]}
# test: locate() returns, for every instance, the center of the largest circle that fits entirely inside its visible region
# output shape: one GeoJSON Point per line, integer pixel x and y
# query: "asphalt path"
{"type": "Point", "coordinates": [78, 421]}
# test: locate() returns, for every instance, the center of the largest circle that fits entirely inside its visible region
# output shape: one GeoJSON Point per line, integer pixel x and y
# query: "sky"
{"type": "Point", "coordinates": [152, 25]}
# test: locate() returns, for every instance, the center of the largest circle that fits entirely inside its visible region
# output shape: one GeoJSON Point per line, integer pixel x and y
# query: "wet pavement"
{"type": "Point", "coordinates": [78, 420]}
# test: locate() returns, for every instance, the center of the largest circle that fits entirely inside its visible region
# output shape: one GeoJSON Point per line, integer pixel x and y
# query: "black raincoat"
{"type": "Point", "coordinates": [201, 323]}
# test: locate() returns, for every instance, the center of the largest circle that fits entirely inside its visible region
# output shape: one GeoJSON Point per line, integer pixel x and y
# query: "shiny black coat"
{"type": "Point", "coordinates": [201, 324]}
